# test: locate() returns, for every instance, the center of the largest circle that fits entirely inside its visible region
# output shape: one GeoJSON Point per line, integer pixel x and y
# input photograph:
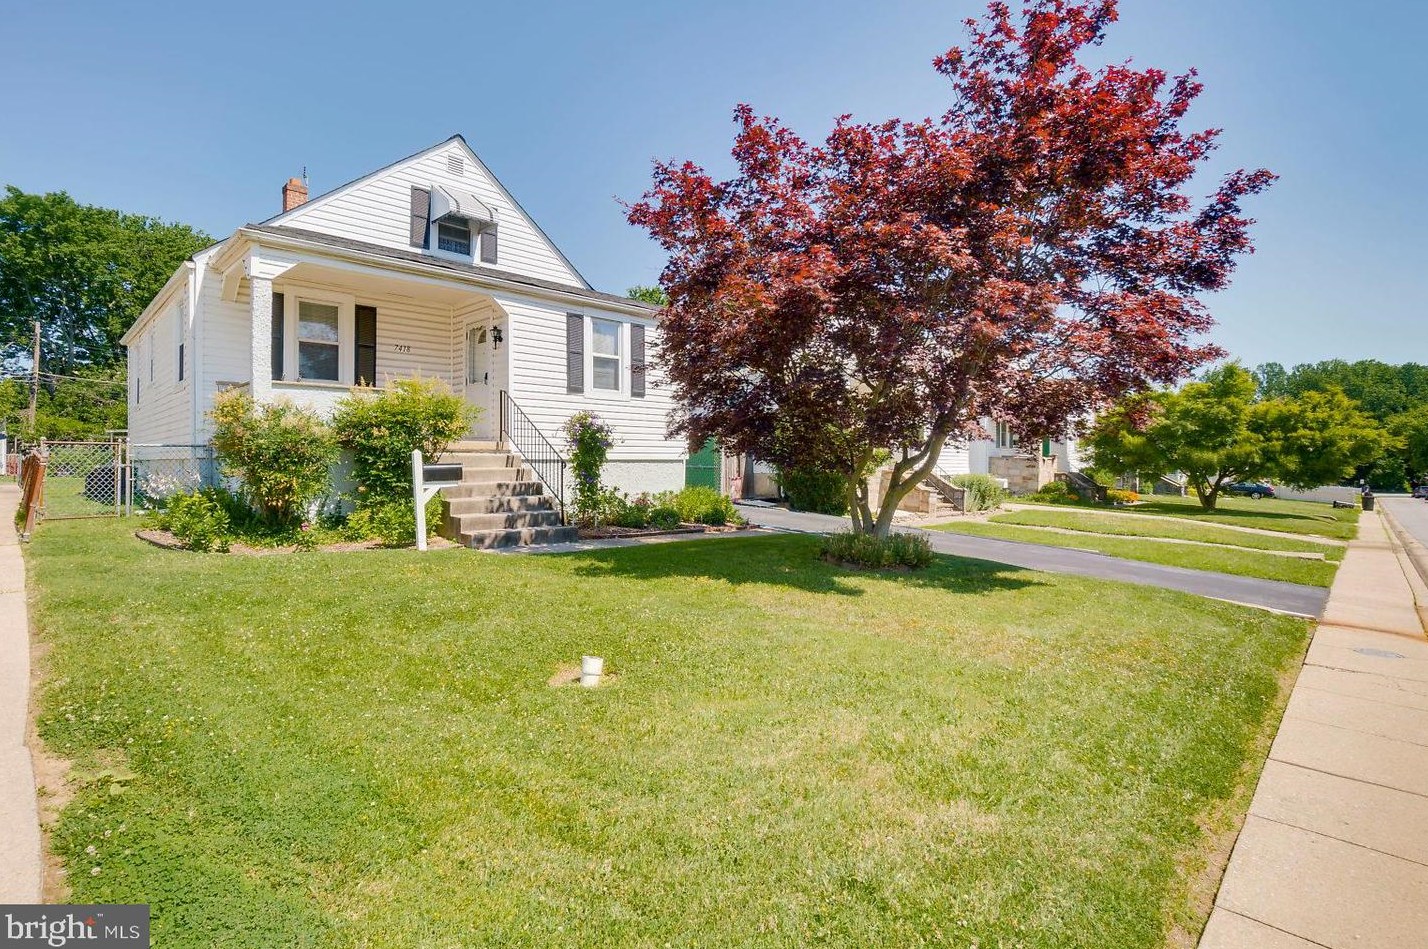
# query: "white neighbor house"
{"type": "Point", "coordinates": [427, 267]}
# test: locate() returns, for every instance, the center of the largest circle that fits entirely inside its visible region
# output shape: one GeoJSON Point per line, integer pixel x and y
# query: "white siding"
{"type": "Point", "coordinates": [162, 411]}
{"type": "Point", "coordinates": [538, 383]}
{"type": "Point", "coordinates": [378, 211]}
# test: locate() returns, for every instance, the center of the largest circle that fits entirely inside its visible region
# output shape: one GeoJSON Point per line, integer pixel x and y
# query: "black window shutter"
{"type": "Point", "coordinates": [421, 212]}
{"type": "Point", "coordinates": [277, 336]}
{"type": "Point", "coordinates": [488, 245]}
{"type": "Point", "coordinates": [364, 372]}
{"type": "Point", "coordinates": [637, 360]}
{"type": "Point", "coordinates": [574, 352]}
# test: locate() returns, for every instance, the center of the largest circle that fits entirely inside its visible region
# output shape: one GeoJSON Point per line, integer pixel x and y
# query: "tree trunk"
{"type": "Point", "coordinates": [906, 475]}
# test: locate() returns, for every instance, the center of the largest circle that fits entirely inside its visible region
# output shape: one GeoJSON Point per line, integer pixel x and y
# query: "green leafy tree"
{"type": "Point", "coordinates": [1218, 431]}
{"type": "Point", "coordinates": [85, 273]}
{"type": "Point", "coordinates": [652, 295]}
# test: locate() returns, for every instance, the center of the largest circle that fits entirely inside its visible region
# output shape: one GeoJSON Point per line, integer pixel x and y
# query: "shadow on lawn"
{"type": "Point", "coordinates": [792, 561]}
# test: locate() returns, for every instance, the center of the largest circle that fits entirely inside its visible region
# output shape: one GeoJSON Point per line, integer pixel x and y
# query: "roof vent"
{"type": "Point", "coordinates": [456, 164]}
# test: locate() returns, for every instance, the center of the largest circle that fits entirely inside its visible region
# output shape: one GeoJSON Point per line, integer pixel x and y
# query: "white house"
{"type": "Point", "coordinates": [427, 267]}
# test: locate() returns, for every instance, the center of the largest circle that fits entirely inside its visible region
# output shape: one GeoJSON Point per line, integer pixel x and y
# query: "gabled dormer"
{"type": "Point", "coordinates": [442, 201]}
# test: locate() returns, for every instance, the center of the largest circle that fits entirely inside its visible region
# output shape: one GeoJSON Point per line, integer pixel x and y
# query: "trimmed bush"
{"type": "Point", "coordinates": [1118, 496]}
{"type": "Point", "coordinates": [391, 521]}
{"type": "Point", "coordinates": [701, 505]}
{"type": "Point", "coordinates": [898, 550]}
{"type": "Point", "coordinates": [983, 492]}
{"type": "Point", "coordinates": [808, 489]}
{"type": "Point", "coordinates": [280, 453]}
{"type": "Point", "coordinates": [199, 520]}
{"type": "Point", "coordinates": [381, 429]}
{"type": "Point", "coordinates": [664, 517]}
{"type": "Point", "coordinates": [1056, 492]}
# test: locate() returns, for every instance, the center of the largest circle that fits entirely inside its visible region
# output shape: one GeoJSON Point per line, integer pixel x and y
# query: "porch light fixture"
{"type": "Point", "coordinates": [496, 337]}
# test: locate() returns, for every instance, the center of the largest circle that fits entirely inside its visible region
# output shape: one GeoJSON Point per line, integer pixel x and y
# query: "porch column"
{"type": "Point", "coordinates": [260, 307]}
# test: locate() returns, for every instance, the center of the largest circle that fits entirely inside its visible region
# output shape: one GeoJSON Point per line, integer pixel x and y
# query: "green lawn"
{"type": "Point", "coordinates": [364, 750]}
{"type": "Point", "coordinates": [1293, 517]}
{"type": "Point", "coordinates": [1243, 563]}
{"type": "Point", "coordinates": [1186, 529]}
{"type": "Point", "coordinates": [64, 497]}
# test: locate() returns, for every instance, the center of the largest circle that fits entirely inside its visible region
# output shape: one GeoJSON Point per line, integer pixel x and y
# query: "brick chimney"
{"type": "Point", "coordinates": [294, 194]}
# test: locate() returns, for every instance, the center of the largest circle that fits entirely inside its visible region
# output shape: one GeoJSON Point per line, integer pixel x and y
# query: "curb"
{"type": "Point", "coordinates": [1413, 558]}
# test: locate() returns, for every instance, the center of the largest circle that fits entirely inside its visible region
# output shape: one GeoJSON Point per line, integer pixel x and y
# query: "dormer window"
{"type": "Point", "coordinates": [453, 235]}
{"type": "Point", "coordinates": [448, 220]}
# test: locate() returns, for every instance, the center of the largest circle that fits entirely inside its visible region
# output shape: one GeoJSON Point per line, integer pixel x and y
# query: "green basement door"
{"type": "Point", "coordinates": [701, 469]}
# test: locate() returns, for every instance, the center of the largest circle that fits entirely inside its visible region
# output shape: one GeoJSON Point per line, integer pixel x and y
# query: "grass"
{"type": "Point", "coordinates": [1293, 517]}
{"type": "Point", "coordinates": [64, 497]}
{"type": "Point", "coordinates": [364, 750]}
{"type": "Point", "coordinates": [1243, 563]}
{"type": "Point", "coordinates": [1096, 523]}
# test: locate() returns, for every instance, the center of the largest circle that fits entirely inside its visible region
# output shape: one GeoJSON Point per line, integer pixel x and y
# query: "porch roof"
{"type": "Point", "coordinates": [492, 274]}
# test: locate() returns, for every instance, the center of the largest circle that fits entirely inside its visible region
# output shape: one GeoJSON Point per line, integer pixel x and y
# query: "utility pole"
{"type": "Point", "coordinates": [35, 378]}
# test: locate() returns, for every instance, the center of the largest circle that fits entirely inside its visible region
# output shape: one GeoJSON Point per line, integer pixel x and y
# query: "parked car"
{"type": "Point", "coordinates": [1421, 491]}
{"type": "Point", "coordinates": [1251, 489]}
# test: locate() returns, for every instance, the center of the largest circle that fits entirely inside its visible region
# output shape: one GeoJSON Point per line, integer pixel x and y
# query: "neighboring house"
{"type": "Point", "coordinates": [427, 267]}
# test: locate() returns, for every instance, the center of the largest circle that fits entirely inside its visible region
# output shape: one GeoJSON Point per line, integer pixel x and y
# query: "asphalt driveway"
{"type": "Point", "coordinates": [1268, 594]}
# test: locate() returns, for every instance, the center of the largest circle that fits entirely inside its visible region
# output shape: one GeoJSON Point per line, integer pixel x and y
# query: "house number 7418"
{"type": "Point", "coordinates": [402, 347]}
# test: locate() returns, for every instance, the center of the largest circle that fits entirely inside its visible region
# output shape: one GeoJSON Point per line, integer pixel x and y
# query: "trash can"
{"type": "Point", "coordinates": [1367, 498]}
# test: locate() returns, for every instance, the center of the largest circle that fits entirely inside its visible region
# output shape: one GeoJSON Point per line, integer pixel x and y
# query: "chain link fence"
{"type": "Point", "coordinates": [157, 471]}
{"type": "Point", "coordinates": [114, 477]}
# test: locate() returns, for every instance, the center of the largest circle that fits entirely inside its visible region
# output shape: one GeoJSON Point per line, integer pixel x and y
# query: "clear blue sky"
{"type": "Point", "coordinates": [199, 112]}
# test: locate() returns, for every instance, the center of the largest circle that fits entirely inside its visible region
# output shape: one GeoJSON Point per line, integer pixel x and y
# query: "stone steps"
{"type": "Point", "coordinates": [499, 502]}
{"type": "Point", "coordinates": [524, 536]}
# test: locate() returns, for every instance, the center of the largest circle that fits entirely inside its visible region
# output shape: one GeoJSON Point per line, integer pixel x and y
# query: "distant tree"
{"type": "Point", "coordinates": [1217, 431]}
{"type": "Point", "coordinates": [1385, 391]}
{"type": "Point", "coordinates": [654, 295]}
{"type": "Point", "coordinates": [1033, 252]}
{"type": "Point", "coordinates": [85, 273]}
{"type": "Point", "coordinates": [1411, 428]}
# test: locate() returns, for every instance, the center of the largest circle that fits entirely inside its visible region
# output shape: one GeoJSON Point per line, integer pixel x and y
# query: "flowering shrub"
{"type": "Point", "coordinates": [280, 453]}
{"type": "Point", "coordinates": [589, 439]}
{"type": "Point", "coordinates": [382, 430]}
{"type": "Point", "coordinates": [1118, 496]}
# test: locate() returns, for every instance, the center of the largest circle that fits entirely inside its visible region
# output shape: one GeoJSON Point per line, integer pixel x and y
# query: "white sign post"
{"type": "Point", "coordinates": [426, 481]}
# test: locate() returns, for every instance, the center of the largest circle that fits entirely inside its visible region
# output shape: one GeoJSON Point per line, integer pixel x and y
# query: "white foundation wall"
{"type": "Point", "coordinates": [635, 477]}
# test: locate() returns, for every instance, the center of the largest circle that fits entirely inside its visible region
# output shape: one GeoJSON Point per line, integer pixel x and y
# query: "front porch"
{"type": "Point", "coordinates": [320, 330]}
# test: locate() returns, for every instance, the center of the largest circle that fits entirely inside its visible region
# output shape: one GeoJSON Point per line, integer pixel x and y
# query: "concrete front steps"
{"type": "Point", "coordinates": [499, 503]}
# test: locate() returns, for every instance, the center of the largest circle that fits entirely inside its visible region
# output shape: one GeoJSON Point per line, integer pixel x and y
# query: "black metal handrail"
{"type": "Point", "coordinates": [521, 435]}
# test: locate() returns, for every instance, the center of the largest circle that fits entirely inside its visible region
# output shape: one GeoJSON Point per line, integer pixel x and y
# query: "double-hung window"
{"type": "Point", "coordinates": [318, 341]}
{"type": "Point", "coordinates": [605, 354]}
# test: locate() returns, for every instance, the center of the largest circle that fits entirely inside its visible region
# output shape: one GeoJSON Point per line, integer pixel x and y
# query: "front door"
{"type": "Point", "coordinates": [481, 381]}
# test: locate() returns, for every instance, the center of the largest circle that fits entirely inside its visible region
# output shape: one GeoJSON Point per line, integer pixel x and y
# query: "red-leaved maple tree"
{"type": "Point", "coordinates": [1029, 255]}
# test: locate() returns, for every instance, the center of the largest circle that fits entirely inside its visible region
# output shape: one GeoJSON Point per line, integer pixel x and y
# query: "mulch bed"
{"type": "Point", "coordinates": [169, 542]}
{"type": "Point", "coordinates": [606, 532]}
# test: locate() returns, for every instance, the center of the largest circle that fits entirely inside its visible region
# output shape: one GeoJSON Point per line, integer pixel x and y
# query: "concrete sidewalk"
{"type": "Point", "coordinates": [1334, 851]}
{"type": "Point", "coordinates": [19, 814]}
